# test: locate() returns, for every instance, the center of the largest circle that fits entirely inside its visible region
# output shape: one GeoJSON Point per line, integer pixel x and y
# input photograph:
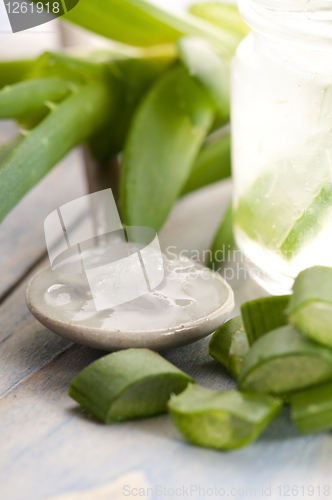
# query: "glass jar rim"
{"type": "Point", "coordinates": [299, 21]}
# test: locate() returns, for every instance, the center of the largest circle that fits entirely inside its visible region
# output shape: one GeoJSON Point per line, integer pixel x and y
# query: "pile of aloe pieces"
{"type": "Point", "coordinates": [154, 98]}
{"type": "Point", "coordinates": [279, 351]}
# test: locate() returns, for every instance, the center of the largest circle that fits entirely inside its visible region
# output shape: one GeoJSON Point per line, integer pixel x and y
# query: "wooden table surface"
{"type": "Point", "coordinates": [50, 449]}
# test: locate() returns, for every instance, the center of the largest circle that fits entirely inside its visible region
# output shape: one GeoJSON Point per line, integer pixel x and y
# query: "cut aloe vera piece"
{"type": "Point", "coordinates": [126, 385]}
{"type": "Point", "coordinates": [229, 345]}
{"type": "Point", "coordinates": [310, 306]}
{"type": "Point", "coordinates": [310, 224]}
{"type": "Point", "coordinates": [263, 315]}
{"type": "Point", "coordinates": [281, 210]}
{"type": "Point", "coordinates": [311, 410]}
{"type": "Point", "coordinates": [284, 361]}
{"type": "Point", "coordinates": [222, 420]}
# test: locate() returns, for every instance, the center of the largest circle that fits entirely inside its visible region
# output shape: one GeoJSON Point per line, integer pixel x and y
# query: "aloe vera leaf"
{"type": "Point", "coordinates": [262, 315]}
{"type": "Point", "coordinates": [284, 361]}
{"type": "Point", "coordinates": [279, 199]}
{"type": "Point", "coordinates": [70, 123]}
{"type": "Point", "coordinates": [229, 345]}
{"type": "Point", "coordinates": [223, 241]}
{"type": "Point", "coordinates": [310, 305]}
{"type": "Point", "coordinates": [310, 224]}
{"type": "Point", "coordinates": [221, 420]}
{"type": "Point", "coordinates": [132, 78]}
{"type": "Point", "coordinates": [212, 164]}
{"type": "Point", "coordinates": [224, 15]}
{"type": "Point", "coordinates": [165, 137]}
{"type": "Point", "coordinates": [8, 147]}
{"type": "Point", "coordinates": [81, 69]}
{"type": "Point", "coordinates": [211, 69]}
{"type": "Point", "coordinates": [126, 385]}
{"type": "Point", "coordinates": [25, 97]}
{"type": "Point", "coordinates": [14, 71]}
{"type": "Point", "coordinates": [311, 409]}
{"type": "Point", "coordinates": [141, 23]}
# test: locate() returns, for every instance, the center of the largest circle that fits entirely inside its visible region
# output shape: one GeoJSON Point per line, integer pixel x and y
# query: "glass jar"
{"type": "Point", "coordinates": [282, 139]}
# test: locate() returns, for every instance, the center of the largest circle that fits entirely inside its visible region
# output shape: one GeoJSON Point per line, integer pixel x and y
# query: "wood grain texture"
{"type": "Point", "coordinates": [51, 448]}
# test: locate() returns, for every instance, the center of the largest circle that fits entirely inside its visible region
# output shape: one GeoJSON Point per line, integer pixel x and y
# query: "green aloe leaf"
{"type": "Point", "coordinates": [310, 305]}
{"type": "Point", "coordinates": [129, 384]}
{"type": "Point", "coordinates": [8, 147]}
{"type": "Point", "coordinates": [210, 68]}
{"type": "Point", "coordinates": [260, 316]}
{"type": "Point", "coordinates": [212, 164]}
{"type": "Point", "coordinates": [14, 71]}
{"type": "Point", "coordinates": [71, 122]}
{"type": "Point", "coordinates": [131, 78]}
{"type": "Point", "coordinates": [284, 361]}
{"type": "Point", "coordinates": [141, 23]}
{"type": "Point", "coordinates": [229, 345]}
{"type": "Point", "coordinates": [28, 97]}
{"type": "Point", "coordinates": [165, 137]}
{"type": "Point", "coordinates": [311, 409]}
{"type": "Point", "coordinates": [222, 420]}
{"type": "Point", "coordinates": [223, 241]}
{"type": "Point", "coordinates": [224, 15]}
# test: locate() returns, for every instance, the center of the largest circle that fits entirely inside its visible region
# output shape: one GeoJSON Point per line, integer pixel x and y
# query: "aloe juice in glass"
{"type": "Point", "coordinates": [282, 139]}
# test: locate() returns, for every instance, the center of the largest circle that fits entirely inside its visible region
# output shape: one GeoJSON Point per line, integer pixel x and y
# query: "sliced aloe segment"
{"type": "Point", "coordinates": [310, 224]}
{"type": "Point", "coordinates": [282, 210]}
{"type": "Point", "coordinates": [284, 361]}
{"type": "Point", "coordinates": [311, 410]}
{"type": "Point", "coordinates": [263, 315]}
{"type": "Point", "coordinates": [222, 420]}
{"type": "Point", "coordinates": [165, 137]}
{"type": "Point", "coordinates": [212, 164]}
{"type": "Point", "coordinates": [223, 241]}
{"type": "Point", "coordinates": [126, 385]}
{"type": "Point", "coordinates": [229, 345]}
{"type": "Point", "coordinates": [310, 306]}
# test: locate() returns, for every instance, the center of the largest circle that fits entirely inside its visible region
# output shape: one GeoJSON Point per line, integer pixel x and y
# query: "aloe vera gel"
{"type": "Point", "coordinates": [282, 136]}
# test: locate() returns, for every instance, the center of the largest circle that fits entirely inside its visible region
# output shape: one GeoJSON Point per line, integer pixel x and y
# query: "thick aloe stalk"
{"type": "Point", "coordinates": [126, 385]}
{"type": "Point", "coordinates": [141, 23]}
{"type": "Point", "coordinates": [14, 71]}
{"type": "Point", "coordinates": [29, 101]}
{"type": "Point", "coordinates": [70, 123]}
{"type": "Point", "coordinates": [165, 137]}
